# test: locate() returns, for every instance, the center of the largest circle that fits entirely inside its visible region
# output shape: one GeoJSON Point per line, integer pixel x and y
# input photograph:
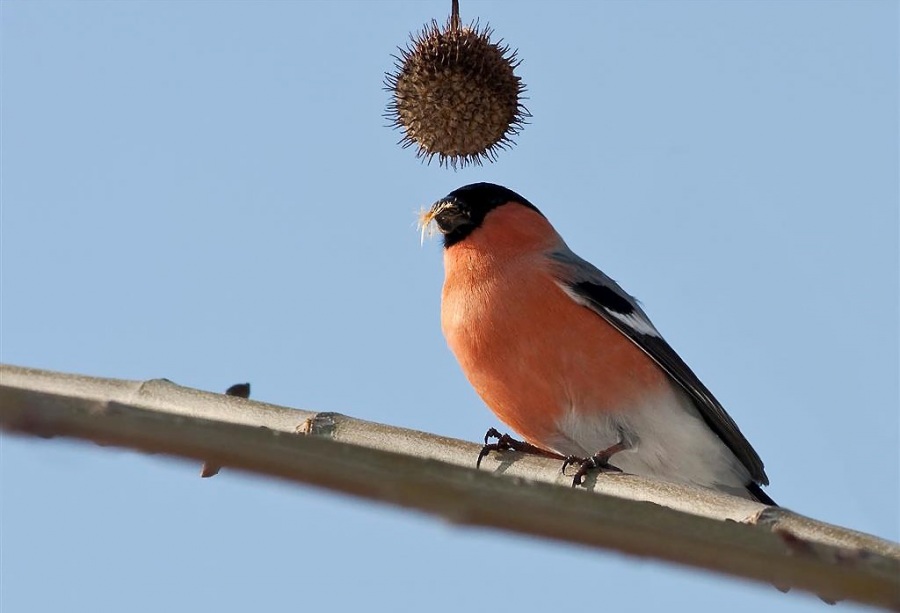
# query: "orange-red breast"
{"type": "Point", "coordinates": [570, 361]}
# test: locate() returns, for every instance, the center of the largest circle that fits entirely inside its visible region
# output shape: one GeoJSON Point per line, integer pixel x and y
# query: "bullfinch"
{"type": "Point", "coordinates": [569, 360]}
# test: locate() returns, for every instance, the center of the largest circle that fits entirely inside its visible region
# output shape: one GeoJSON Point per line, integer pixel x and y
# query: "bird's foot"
{"type": "Point", "coordinates": [599, 461]}
{"type": "Point", "coordinates": [507, 443]}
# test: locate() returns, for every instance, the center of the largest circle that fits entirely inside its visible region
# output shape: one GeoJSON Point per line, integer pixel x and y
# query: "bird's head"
{"type": "Point", "coordinates": [464, 210]}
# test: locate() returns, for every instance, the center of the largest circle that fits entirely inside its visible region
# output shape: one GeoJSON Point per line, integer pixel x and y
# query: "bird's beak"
{"type": "Point", "coordinates": [446, 215]}
{"type": "Point", "coordinates": [449, 215]}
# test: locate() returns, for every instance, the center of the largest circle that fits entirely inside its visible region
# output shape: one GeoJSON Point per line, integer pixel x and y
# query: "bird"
{"type": "Point", "coordinates": [568, 360]}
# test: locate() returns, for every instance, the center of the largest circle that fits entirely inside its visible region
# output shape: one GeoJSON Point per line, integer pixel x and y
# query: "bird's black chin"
{"type": "Point", "coordinates": [457, 235]}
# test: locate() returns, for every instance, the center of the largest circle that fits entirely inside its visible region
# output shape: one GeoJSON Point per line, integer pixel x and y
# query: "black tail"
{"type": "Point", "coordinates": [760, 495]}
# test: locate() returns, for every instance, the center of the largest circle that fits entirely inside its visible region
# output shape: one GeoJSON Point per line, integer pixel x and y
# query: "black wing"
{"type": "Point", "coordinates": [590, 287]}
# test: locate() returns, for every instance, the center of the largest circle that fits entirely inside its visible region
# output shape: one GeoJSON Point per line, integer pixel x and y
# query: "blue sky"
{"type": "Point", "coordinates": [206, 191]}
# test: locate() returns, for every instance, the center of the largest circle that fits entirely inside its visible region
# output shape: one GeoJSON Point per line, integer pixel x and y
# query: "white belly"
{"type": "Point", "coordinates": [669, 440]}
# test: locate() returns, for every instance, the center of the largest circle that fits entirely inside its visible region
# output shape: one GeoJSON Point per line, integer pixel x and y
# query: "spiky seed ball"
{"type": "Point", "coordinates": [456, 95]}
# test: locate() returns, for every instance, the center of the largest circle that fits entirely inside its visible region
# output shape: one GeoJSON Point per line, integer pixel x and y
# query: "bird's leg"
{"type": "Point", "coordinates": [598, 461]}
{"type": "Point", "coordinates": [506, 443]}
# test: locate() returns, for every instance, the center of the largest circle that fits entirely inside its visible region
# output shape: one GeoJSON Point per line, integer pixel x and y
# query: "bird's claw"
{"type": "Point", "coordinates": [493, 433]}
{"type": "Point", "coordinates": [598, 461]}
{"type": "Point", "coordinates": [506, 443]}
